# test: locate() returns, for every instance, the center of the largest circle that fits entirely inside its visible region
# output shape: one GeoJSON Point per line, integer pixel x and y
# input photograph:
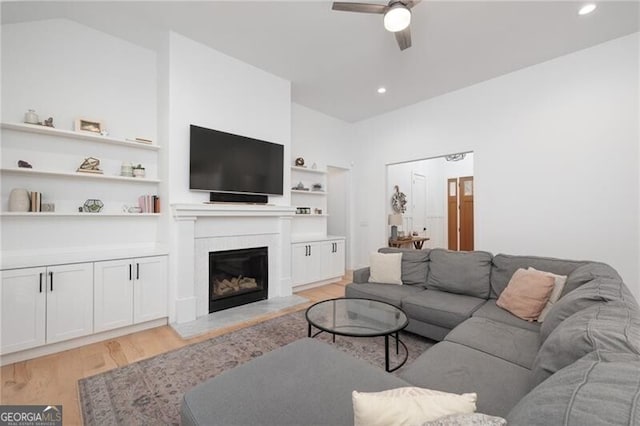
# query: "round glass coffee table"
{"type": "Point", "coordinates": [360, 318]}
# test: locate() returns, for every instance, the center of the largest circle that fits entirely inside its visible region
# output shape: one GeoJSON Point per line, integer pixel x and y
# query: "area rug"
{"type": "Point", "coordinates": [150, 391]}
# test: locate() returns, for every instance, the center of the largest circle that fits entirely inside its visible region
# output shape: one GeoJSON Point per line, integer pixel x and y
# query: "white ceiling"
{"type": "Point", "coordinates": [337, 60]}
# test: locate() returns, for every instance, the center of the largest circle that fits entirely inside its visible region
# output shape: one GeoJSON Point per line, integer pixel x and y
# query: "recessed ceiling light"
{"type": "Point", "coordinates": [587, 9]}
{"type": "Point", "coordinates": [382, 90]}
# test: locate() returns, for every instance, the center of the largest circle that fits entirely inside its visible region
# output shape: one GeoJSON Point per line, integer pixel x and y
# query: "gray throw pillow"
{"type": "Point", "coordinates": [600, 389]}
{"type": "Point", "coordinates": [460, 272]}
{"type": "Point", "coordinates": [415, 265]}
{"type": "Point", "coordinates": [471, 419]}
{"type": "Point", "coordinates": [596, 291]}
{"type": "Point", "coordinates": [612, 327]}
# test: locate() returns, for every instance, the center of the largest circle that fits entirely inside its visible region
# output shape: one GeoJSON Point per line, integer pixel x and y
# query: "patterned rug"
{"type": "Point", "coordinates": [150, 391]}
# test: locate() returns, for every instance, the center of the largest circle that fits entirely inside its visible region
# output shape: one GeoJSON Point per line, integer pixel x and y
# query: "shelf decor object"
{"type": "Point", "coordinates": [19, 200]}
{"type": "Point", "coordinates": [92, 206]}
{"type": "Point", "coordinates": [86, 125]}
{"type": "Point", "coordinates": [90, 165]}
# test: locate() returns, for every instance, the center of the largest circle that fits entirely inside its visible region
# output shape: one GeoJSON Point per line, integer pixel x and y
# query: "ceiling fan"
{"type": "Point", "coordinates": [397, 16]}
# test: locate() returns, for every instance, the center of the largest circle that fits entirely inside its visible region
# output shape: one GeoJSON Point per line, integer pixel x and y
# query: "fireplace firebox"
{"type": "Point", "coordinates": [237, 277]}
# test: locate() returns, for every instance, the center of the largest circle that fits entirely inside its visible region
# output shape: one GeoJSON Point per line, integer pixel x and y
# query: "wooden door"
{"type": "Point", "coordinates": [452, 213]}
{"type": "Point", "coordinates": [466, 213]}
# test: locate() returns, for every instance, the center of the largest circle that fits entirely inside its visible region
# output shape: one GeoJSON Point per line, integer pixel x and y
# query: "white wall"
{"type": "Point", "coordinates": [556, 157]}
{"type": "Point", "coordinates": [213, 90]}
{"type": "Point", "coordinates": [66, 70]}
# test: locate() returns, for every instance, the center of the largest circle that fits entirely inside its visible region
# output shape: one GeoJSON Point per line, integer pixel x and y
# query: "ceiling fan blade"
{"type": "Point", "coordinates": [359, 7]}
{"type": "Point", "coordinates": [404, 38]}
{"type": "Point", "coordinates": [411, 3]}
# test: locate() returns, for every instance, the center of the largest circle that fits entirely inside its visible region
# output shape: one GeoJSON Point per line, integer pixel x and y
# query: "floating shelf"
{"type": "Point", "coordinates": [79, 175]}
{"type": "Point", "coordinates": [69, 134]}
{"type": "Point", "coordinates": [308, 170]}
{"type": "Point", "coordinates": [76, 214]}
{"type": "Point", "coordinates": [311, 215]}
{"type": "Point", "coordinates": [298, 191]}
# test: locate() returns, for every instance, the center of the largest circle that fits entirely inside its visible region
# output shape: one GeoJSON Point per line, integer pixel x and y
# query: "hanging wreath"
{"type": "Point", "coordinates": [398, 201]}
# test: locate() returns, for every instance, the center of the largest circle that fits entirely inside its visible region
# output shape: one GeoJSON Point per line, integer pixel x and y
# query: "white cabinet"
{"type": "Point", "coordinates": [45, 305]}
{"type": "Point", "coordinates": [317, 261]}
{"type": "Point", "coordinates": [130, 291]}
{"type": "Point", "coordinates": [69, 301]}
{"type": "Point", "coordinates": [23, 304]}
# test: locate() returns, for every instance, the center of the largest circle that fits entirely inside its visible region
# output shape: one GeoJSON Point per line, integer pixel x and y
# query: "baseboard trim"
{"type": "Point", "coordinates": [316, 284]}
{"type": "Point", "coordinates": [80, 341]}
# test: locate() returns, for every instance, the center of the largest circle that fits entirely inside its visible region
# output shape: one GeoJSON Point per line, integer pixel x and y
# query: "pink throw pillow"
{"type": "Point", "coordinates": [527, 294]}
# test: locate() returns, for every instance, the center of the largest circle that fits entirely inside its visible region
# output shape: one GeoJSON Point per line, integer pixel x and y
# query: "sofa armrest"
{"type": "Point", "coordinates": [361, 275]}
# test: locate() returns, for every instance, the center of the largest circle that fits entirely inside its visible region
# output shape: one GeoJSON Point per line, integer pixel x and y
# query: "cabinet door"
{"type": "Point", "coordinates": [150, 288]}
{"type": "Point", "coordinates": [113, 294]}
{"type": "Point", "coordinates": [299, 263]}
{"type": "Point", "coordinates": [336, 262]}
{"type": "Point", "coordinates": [23, 316]}
{"type": "Point", "coordinates": [316, 261]}
{"type": "Point", "coordinates": [69, 301]}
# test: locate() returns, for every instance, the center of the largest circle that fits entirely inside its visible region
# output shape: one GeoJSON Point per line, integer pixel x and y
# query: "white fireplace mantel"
{"type": "Point", "coordinates": [203, 228]}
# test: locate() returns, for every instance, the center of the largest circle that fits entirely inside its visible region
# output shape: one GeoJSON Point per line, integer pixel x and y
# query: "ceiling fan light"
{"type": "Point", "coordinates": [397, 18]}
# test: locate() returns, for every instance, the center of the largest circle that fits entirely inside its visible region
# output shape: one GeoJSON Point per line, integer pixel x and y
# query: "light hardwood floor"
{"type": "Point", "coordinates": [53, 379]}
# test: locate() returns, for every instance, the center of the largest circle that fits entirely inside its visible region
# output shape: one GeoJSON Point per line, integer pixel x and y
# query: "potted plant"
{"type": "Point", "coordinates": [138, 171]}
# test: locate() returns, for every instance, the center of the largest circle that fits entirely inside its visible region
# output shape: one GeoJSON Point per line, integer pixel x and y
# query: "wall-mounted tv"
{"type": "Point", "coordinates": [224, 162]}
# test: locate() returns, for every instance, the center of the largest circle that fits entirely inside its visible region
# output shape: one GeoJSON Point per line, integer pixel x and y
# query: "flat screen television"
{"type": "Point", "coordinates": [224, 162]}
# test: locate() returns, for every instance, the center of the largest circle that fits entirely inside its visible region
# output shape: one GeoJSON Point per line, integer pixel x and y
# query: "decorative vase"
{"type": "Point", "coordinates": [19, 200]}
{"type": "Point", "coordinates": [126, 169]}
{"type": "Point", "coordinates": [31, 117]}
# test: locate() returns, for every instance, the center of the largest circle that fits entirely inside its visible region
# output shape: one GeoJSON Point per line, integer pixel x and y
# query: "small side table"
{"type": "Point", "coordinates": [416, 241]}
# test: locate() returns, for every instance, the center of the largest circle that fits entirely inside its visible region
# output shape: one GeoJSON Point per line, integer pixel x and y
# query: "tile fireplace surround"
{"type": "Point", "coordinates": [204, 228]}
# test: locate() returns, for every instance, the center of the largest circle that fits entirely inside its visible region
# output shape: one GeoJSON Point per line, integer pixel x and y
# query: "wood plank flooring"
{"type": "Point", "coordinates": [53, 379]}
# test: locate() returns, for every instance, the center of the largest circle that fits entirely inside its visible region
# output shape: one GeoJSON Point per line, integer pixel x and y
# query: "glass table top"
{"type": "Point", "coordinates": [356, 317]}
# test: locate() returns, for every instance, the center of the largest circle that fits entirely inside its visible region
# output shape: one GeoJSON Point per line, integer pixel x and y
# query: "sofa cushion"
{"type": "Point", "coordinates": [389, 293]}
{"type": "Point", "coordinates": [409, 405]}
{"type": "Point", "coordinates": [456, 368]}
{"type": "Point", "coordinates": [598, 290]}
{"type": "Point", "coordinates": [504, 265]}
{"type": "Point", "coordinates": [440, 308]}
{"type": "Point", "coordinates": [612, 327]}
{"type": "Point", "coordinates": [527, 294]}
{"type": "Point", "coordinates": [585, 273]}
{"type": "Point", "coordinates": [415, 265]}
{"type": "Point", "coordinates": [513, 344]}
{"type": "Point", "coordinates": [292, 385]}
{"type": "Point", "coordinates": [460, 272]}
{"type": "Point", "coordinates": [600, 389]}
{"type": "Point", "coordinates": [490, 310]}
{"type": "Point", "coordinates": [385, 268]}
{"type": "Point", "coordinates": [473, 419]}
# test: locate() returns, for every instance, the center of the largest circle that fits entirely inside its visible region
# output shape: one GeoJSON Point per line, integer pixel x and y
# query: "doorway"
{"type": "Point", "coordinates": [425, 184]}
{"type": "Point", "coordinates": [338, 223]}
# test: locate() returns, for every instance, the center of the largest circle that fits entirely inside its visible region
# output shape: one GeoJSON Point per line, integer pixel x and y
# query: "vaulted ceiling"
{"type": "Point", "coordinates": [337, 60]}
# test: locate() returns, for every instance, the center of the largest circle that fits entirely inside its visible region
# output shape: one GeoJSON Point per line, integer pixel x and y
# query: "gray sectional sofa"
{"type": "Point", "coordinates": [581, 366]}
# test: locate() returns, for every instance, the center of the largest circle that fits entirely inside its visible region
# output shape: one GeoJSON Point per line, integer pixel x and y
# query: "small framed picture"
{"type": "Point", "coordinates": [85, 125]}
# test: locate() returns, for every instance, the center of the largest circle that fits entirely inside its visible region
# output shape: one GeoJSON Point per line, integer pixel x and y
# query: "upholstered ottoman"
{"type": "Point", "coordinates": [304, 383]}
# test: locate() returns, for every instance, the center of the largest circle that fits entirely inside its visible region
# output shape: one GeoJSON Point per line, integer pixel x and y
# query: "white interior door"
{"type": "Point", "coordinates": [419, 203]}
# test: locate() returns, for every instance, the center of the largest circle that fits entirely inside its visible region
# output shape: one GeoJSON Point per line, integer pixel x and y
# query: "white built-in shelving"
{"type": "Point", "coordinates": [75, 214]}
{"type": "Point", "coordinates": [79, 175]}
{"type": "Point", "coordinates": [70, 134]}
{"type": "Point", "coordinates": [301, 191]}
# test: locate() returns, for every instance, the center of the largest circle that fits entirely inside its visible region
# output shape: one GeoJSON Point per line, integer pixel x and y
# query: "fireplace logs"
{"type": "Point", "coordinates": [233, 285]}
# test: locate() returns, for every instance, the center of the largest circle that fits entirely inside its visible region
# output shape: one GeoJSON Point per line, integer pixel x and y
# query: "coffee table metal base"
{"type": "Point", "coordinates": [395, 335]}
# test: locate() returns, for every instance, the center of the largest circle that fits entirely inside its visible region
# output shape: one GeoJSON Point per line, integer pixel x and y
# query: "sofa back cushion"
{"type": "Point", "coordinates": [597, 390]}
{"type": "Point", "coordinates": [415, 265]}
{"type": "Point", "coordinates": [460, 272]}
{"type": "Point", "coordinates": [587, 272]}
{"type": "Point", "coordinates": [504, 266]}
{"type": "Point", "coordinates": [612, 327]}
{"type": "Point", "coordinates": [594, 292]}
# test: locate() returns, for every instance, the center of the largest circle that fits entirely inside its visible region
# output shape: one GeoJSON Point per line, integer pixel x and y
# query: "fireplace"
{"type": "Point", "coordinates": [237, 277]}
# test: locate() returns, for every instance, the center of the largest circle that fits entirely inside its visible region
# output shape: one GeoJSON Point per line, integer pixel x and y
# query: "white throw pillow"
{"type": "Point", "coordinates": [408, 406]}
{"type": "Point", "coordinates": [385, 268]}
{"type": "Point", "coordinates": [560, 281]}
